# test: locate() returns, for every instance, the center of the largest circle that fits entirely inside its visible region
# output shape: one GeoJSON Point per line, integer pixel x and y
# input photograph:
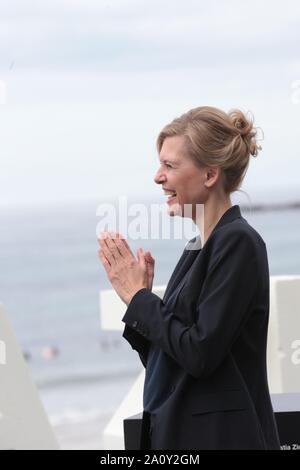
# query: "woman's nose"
{"type": "Point", "coordinates": [159, 177]}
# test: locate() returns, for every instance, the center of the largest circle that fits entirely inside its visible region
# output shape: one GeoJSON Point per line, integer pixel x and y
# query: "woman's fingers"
{"type": "Point", "coordinates": [117, 244]}
{"type": "Point", "coordinates": [104, 260]}
{"type": "Point", "coordinates": [149, 258]}
{"type": "Point", "coordinates": [149, 261]}
{"type": "Point", "coordinates": [106, 249]}
{"type": "Point", "coordinates": [113, 247]}
{"type": "Point", "coordinates": [124, 245]}
{"type": "Point", "coordinates": [141, 258]}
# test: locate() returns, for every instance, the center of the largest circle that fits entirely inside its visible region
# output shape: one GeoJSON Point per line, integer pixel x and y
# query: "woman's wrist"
{"type": "Point", "coordinates": [132, 294]}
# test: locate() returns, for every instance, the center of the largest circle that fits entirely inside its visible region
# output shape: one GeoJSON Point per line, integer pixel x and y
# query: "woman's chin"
{"type": "Point", "coordinates": [174, 209]}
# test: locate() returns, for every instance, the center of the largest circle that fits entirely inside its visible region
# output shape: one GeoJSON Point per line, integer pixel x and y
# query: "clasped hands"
{"type": "Point", "coordinates": [126, 273]}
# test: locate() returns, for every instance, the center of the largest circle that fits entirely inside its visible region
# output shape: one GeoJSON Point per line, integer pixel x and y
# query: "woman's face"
{"type": "Point", "coordinates": [178, 174]}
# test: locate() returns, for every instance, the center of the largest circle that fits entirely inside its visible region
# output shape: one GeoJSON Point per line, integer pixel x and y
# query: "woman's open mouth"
{"type": "Point", "coordinates": [171, 198]}
{"type": "Point", "coordinates": [172, 195]}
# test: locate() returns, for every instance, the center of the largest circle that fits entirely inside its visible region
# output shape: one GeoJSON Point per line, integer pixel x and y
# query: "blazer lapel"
{"type": "Point", "coordinates": [186, 260]}
{"type": "Point", "coordinates": [188, 256]}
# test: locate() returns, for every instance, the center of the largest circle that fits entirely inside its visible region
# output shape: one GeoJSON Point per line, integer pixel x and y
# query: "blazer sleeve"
{"type": "Point", "coordinates": [224, 304]}
{"type": "Point", "coordinates": [137, 342]}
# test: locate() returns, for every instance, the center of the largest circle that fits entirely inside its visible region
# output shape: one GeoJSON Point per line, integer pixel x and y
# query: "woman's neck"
{"type": "Point", "coordinates": [211, 212]}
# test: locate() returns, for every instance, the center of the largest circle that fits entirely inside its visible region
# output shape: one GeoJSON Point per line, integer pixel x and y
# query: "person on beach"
{"type": "Point", "coordinates": [204, 344]}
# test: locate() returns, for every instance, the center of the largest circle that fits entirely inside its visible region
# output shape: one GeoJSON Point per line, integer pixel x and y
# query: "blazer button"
{"type": "Point", "coordinates": [134, 324]}
{"type": "Point", "coordinates": [173, 388]}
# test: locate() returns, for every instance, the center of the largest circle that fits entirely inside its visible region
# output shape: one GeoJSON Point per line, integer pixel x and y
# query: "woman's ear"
{"type": "Point", "coordinates": [212, 175]}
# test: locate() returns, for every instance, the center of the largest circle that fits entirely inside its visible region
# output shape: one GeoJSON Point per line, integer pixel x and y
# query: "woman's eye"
{"type": "Point", "coordinates": [168, 165]}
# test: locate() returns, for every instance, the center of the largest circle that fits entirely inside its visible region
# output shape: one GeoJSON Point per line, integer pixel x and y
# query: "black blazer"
{"type": "Point", "coordinates": [216, 336]}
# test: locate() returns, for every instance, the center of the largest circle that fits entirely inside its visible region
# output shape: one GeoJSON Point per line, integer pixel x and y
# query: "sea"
{"type": "Point", "coordinates": [50, 279]}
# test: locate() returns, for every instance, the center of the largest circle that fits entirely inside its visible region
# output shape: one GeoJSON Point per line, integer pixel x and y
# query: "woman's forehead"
{"type": "Point", "coordinates": [173, 148]}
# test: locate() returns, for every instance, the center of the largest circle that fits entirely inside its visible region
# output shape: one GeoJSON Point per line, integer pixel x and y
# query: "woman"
{"type": "Point", "coordinates": [204, 344]}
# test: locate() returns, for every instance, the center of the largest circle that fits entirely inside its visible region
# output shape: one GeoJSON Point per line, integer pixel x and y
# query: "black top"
{"type": "Point", "coordinates": [159, 373]}
{"type": "Point", "coordinates": [214, 342]}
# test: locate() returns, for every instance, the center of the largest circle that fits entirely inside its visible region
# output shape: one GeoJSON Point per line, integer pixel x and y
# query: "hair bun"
{"type": "Point", "coordinates": [246, 130]}
{"type": "Point", "coordinates": [240, 121]}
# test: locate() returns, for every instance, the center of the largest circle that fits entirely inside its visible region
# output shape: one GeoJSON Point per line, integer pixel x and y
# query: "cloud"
{"type": "Point", "coordinates": [146, 35]}
{"type": "Point", "coordinates": [90, 83]}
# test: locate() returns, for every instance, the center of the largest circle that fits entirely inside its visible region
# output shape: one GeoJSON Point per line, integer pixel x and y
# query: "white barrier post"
{"type": "Point", "coordinates": [23, 421]}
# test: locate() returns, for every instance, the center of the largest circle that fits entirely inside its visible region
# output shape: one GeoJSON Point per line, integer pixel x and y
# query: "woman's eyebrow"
{"type": "Point", "coordinates": [164, 160]}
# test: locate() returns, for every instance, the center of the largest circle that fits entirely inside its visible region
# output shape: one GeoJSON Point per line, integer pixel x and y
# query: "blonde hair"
{"type": "Point", "coordinates": [216, 138]}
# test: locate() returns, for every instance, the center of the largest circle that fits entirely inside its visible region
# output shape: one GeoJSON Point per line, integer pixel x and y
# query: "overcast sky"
{"type": "Point", "coordinates": [86, 85]}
